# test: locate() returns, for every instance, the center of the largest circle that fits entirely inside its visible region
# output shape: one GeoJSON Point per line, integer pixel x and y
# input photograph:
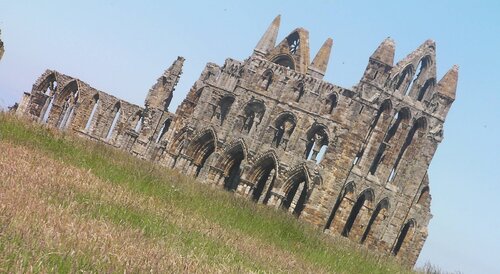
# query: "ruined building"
{"type": "Point", "coordinates": [352, 161]}
{"type": "Point", "coordinates": [1, 47]}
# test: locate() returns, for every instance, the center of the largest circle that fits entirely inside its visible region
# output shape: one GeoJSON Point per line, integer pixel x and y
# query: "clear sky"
{"type": "Point", "coordinates": [121, 47]}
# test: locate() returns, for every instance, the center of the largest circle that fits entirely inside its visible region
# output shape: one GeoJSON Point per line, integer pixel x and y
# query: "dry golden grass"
{"type": "Point", "coordinates": [68, 205]}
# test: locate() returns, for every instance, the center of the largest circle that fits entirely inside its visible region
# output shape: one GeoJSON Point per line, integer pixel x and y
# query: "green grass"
{"type": "Point", "coordinates": [227, 212]}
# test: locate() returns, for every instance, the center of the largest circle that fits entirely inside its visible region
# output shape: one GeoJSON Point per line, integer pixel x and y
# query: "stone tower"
{"type": "Point", "coordinates": [351, 161]}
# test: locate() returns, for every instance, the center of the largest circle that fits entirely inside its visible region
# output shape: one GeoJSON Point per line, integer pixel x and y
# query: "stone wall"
{"type": "Point", "coordinates": [352, 162]}
{"type": "Point", "coordinates": [2, 50]}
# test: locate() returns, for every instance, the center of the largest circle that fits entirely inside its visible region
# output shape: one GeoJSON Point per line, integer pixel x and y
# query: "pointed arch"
{"type": "Point", "coordinates": [224, 107]}
{"type": "Point", "coordinates": [378, 215]}
{"type": "Point", "coordinates": [164, 129]}
{"type": "Point", "coordinates": [115, 113]}
{"type": "Point", "coordinates": [419, 125]}
{"type": "Point", "coordinates": [201, 147]}
{"type": "Point", "coordinates": [402, 80]}
{"type": "Point", "coordinates": [338, 213]}
{"type": "Point", "coordinates": [331, 102]}
{"type": "Point", "coordinates": [284, 60]}
{"type": "Point", "coordinates": [403, 115]}
{"type": "Point", "coordinates": [263, 176]}
{"type": "Point", "coordinates": [253, 113]}
{"type": "Point", "coordinates": [296, 189]}
{"type": "Point", "coordinates": [405, 236]}
{"type": "Point", "coordinates": [285, 125]}
{"type": "Point", "coordinates": [67, 100]}
{"type": "Point", "coordinates": [95, 105]}
{"type": "Point", "coordinates": [317, 142]}
{"type": "Point", "coordinates": [426, 88]}
{"type": "Point", "coordinates": [417, 78]}
{"type": "Point", "coordinates": [230, 163]}
{"type": "Point", "coordinates": [365, 197]}
{"type": "Point", "coordinates": [267, 79]}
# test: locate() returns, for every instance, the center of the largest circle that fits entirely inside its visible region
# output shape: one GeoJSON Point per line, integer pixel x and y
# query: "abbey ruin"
{"type": "Point", "coordinates": [351, 161]}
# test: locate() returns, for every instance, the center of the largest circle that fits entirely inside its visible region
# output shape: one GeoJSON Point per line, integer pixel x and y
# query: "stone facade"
{"type": "Point", "coordinates": [1, 47]}
{"type": "Point", "coordinates": [352, 162]}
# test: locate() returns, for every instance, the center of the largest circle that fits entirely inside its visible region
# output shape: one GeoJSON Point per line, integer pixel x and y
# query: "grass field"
{"type": "Point", "coordinates": [70, 205]}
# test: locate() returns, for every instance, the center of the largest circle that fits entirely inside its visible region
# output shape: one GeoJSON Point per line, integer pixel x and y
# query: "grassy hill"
{"type": "Point", "coordinates": [68, 205]}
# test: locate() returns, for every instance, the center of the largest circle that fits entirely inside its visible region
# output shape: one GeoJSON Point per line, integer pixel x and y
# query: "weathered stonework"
{"type": "Point", "coordinates": [2, 50]}
{"type": "Point", "coordinates": [351, 161]}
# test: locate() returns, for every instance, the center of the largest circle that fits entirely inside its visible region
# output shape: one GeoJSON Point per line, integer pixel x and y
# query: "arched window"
{"type": "Point", "coordinates": [267, 79]}
{"type": "Point", "coordinates": [116, 117]}
{"type": "Point", "coordinates": [406, 232]}
{"type": "Point", "coordinates": [95, 101]}
{"type": "Point", "coordinates": [296, 193]}
{"type": "Point", "coordinates": [163, 130]}
{"type": "Point", "coordinates": [429, 84]}
{"type": "Point", "coordinates": [263, 176]}
{"type": "Point", "coordinates": [299, 88]}
{"type": "Point", "coordinates": [317, 142]}
{"type": "Point", "coordinates": [254, 111]}
{"type": "Point", "coordinates": [399, 117]}
{"type": "Point", "coordinates": [339, 211]}
{"type": "Point", "coordinates": [421, 123]}
{"type": "Point", "coordinates": [400, 82]}
{"type": "Point", "coordinates": [200, 149]}
{"type": "Point", "coordinates": [366, 196]}
{"type": "Point", "coordinates": [140, 121]}
{"type": "Point", "coordinates": [378, 215]}
{"type": "Point", "coordinates": [225, 106]}
{"type": "Point", "coordinates": [422, 67]}
{"type": "Point", "coordinates": [231, 165]}
{"type": "Point", "coordinates": [285, 124]}
{"type": "Point", "coordinates": [284, 60]}
{"type": "Point", "coordinates": [331, 103]}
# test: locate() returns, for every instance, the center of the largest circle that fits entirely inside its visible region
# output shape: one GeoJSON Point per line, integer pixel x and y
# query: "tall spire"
{"type": "Point", "coordinates": [268, 40]}
{"type": "Point", "coordinates": [385, 52]}
{"type": "Point", "coordinates": [160, 95]}
{"type": "Point", "coordinates": [447, 86]}
{"type": "Point", "coordinates": [320, 62]}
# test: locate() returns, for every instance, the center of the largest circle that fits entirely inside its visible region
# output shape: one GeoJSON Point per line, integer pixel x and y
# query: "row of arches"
{"type": "Point", "coordinates": [262, 174]}
{"type": "Point", "coordinates": [414, 82]}
{"type": "Point", "coordinates": [284, 125]}
{"type": "Point", "coordinates": [390, 130]}
{"type": "Point", "coordinates": [361, 219]}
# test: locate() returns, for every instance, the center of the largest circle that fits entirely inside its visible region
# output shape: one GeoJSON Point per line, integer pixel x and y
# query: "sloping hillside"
{"type": "Point", "coordinates": [68, 204]}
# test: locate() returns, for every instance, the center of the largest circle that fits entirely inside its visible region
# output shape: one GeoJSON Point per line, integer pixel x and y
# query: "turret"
{"type": "Point", "coordinates": [380, 63]}
{"type": "Point", "coordinates": [160, 95]}
{"type": "Point", "coordinates": [268, 40]}
{"type": "Point", "coordinates": [320, 63]}
{"type": "Point", "coordinates": [445, 95]}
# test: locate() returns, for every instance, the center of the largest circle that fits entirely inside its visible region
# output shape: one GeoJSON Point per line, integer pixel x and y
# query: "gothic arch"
{"type": "Point", "coordinates": [285, 125]}
{"type": "Point", "coordinates": [201, 147]}
{"type": "Point", "coordinates": [66, 100]}
{"type": "Point", "coordinates": [267, 79]}
{"type": "Point", "coordinates": [285, 60]}
{"type": "Point", "coordinates": [296, 190]}
{"type": "Point", "coordinates": [230, 163]}
{"type": "Point", "coordinates": [94, 102]}
{"type": "Point", "coordinates": [423, 66]}
{"type": "Point", "coordinates": [424, 197]}
{"type": "Point", "coordinates": [401, 81]}
{"type": "Point", "coordinates": [263, 175]}
{"type": "Point", "coordinates": [253, 113]}
{"type": "Point", "coordinates": [331, 102]}
{"type": "Point", "coordinates": [405, 235]}
{"type": "Point", "coordinates": [366, 196]}
{"type": "Point", "coordinates": [378, 216]}
{"type": "Point", "coordinates": [114, 113]}
{"type": "Point", "coordinates": [317, 141]}
{"type": "Point", "coordinates": [224, 106]}
{"type": "Point", "coordinates": [346, 196]}
{"type": "Point", "coordinates": [48, 83]}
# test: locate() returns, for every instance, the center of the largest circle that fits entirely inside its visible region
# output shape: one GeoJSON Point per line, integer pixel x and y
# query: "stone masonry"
{"type": "Point", "coordinates": [352, 162]}
{"type": "Point", "coordinates": [1, 47]}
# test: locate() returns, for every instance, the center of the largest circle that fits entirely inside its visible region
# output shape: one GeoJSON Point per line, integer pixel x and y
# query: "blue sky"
{"type": "Point", "coordinates": [121, 47]}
